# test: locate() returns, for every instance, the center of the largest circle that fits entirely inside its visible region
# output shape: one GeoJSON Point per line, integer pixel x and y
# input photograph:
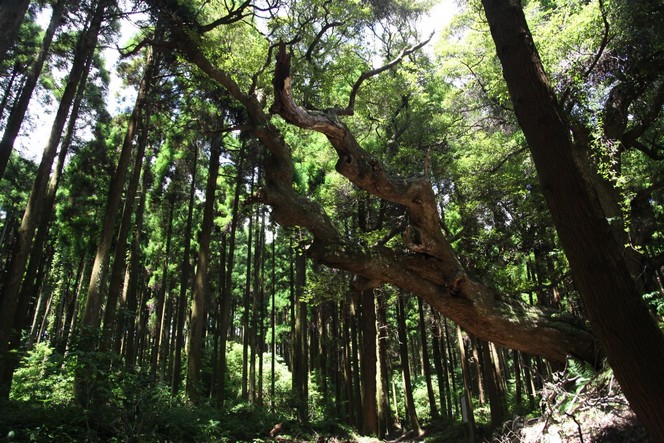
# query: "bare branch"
{"type": "Point", "coordinates": [350, 109]}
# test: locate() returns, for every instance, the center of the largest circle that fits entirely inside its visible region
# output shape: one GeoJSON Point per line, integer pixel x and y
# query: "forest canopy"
{"type": "Point", "coordinates": [294, 204]}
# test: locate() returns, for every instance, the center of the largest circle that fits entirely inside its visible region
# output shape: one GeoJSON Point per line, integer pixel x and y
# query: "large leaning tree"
{"type": "Point", "coordinates": [423, 261]}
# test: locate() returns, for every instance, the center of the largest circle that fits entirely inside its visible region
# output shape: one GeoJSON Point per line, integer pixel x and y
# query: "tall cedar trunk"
{"type": "Point", "coordinates": [426, 363]}
{"type": "Point", "coordinates": [300, 365]}
{"type": "Point", "coordinates": [228, 283]}
{"type": "Point", "coordinates": [369, 356]}
{"type": "Point", "coordinates": [120, 253]}
{"type": "Point", "coordinates": [33, 212]}
{"type": "Point", "coordinates": [354, 360]}
{"type": "Point", "coordinates": [347, 367]}
{"type": "Point", "coordinates": [181, 311]}
{"type": "Point", "coordinates": [496, 396]}
{"type": "Point", "coordinates": [451, 366]}
{"type": "Point", "coordinates": [478, 384]}
{"type": "Point", "coordinates": [127, 323]}
{"type": "Point", "coordinates": [260, 346]}
{"type": "Point", "coordinates": [273, 320]}
{"type": "Point", "coordinates": [11, 17]}
{"type": "Point", "coordinates": [246, 314]}
{"type": "Point", "coordinates": [337, 360]}
{"type": "Point", "coordinates": [161, 291]}
{"type": "Point", "coordinates": [31, 281]}
{"type": "Point", "coordinates": [197, 321]}
{"type": "Point", "coordinates": [438, 360]}
{"type": "Point", "coordinates": [91, 315]}
{"type": "Point", "coordinates": [323, 352]}
{"type": "Point", "coordinates": [17, 114]}
{"type": "Point", "coordinates": [256, 309]}
{"type": "Point", "coordinates": [385, 420]}
{"type": "Point", "coordinates": [633, 344]}
{"type": "Point", "coordinates": [466, 400]}
{"type": "Point", "coordinates": [411, 414]}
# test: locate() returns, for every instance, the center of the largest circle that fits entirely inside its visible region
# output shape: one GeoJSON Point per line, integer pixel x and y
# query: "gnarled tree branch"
{"type": "Point", "coordinates": [428, 268]}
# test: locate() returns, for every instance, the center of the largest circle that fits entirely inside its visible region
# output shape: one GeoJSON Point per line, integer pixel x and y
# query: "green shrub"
{"type": "Point", "coordinates": [43, 376]}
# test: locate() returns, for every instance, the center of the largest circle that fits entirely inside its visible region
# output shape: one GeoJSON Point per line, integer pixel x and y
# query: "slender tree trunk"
{"type": "Point", "coordinates": [492, 375]}
{"type": "Point", "coordinates": [451, 366]}
{"type": "Point", "coordinates": [411, 414]}
{"type": "Point", "coordinates": [197, 322]}
{"type": "Point", "coordinates": [228, 285]}
{"type": "Point", "coordinates": [347, 366]}
{"type": "Point", "coordinates": [119, 260]}
{"type": "Point", "coordinates": [426, 363]}
{"type": "Point", "coordinates": [17, 114]}
{"type": "Point", "coordinates": [466, 400]}
{"type": "Point", "coordinates": [355, 358]}
{"type": "Point", "coordinates": [176, 378]}
{"type": "Point", "coordinates": [31, 282]}
{"type": "Point", "coordinates": [273, 323]}
{"type": "Point", "coordinates": [246, 315]}
{"type": "Point", "coordinates": [474, 363]}
{"type": "Point", "coordinates": [633, 344]}
{"type": "Point", "coordinates": [33, 212]}
{"type": "Point", "coordinates": [127, 321]}
{"type": "Point", "coordinates": [300, 364]}
{"type": "Point", "coordinates": [385, 419]}
{"type": "Point", "coordinates": [159, 333]}
{"type": "Point", "coordinates": [369, 356]}
{"type": "Point", "coordinates": [91, 316]}
{"type": "Point", "coordinates": [438, 360]}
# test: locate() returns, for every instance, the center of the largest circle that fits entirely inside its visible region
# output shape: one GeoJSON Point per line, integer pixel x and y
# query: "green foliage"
{"type": "Point", "coordinates": [43, 376]}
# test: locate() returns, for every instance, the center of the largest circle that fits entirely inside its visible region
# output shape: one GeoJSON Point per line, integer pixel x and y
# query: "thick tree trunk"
{"type": "Point", "coordinates": [197, 321]}
{"type": "Point", "coordinates": [369, 356]}
{"type": "Point", "coordinates": [385, 419]}
{"type": "Point", "coordinates": [633, 344]}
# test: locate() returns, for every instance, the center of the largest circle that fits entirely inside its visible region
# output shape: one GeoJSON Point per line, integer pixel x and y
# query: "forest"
{"type": "Point", "coordinates": [314, 220]}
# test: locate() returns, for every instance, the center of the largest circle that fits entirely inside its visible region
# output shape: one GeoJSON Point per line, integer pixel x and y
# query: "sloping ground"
{"type": "Point", "coordinates": [578, 409]}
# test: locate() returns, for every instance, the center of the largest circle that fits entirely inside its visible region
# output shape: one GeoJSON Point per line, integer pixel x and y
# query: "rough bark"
{"type": "Point", "coordinates": [368, 366]}
{"type": "Point", "coordinates": [633, 344]}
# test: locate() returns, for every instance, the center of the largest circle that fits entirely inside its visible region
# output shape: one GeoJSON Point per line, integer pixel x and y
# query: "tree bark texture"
{"type": "Point", "coordinates": [633, 344]}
